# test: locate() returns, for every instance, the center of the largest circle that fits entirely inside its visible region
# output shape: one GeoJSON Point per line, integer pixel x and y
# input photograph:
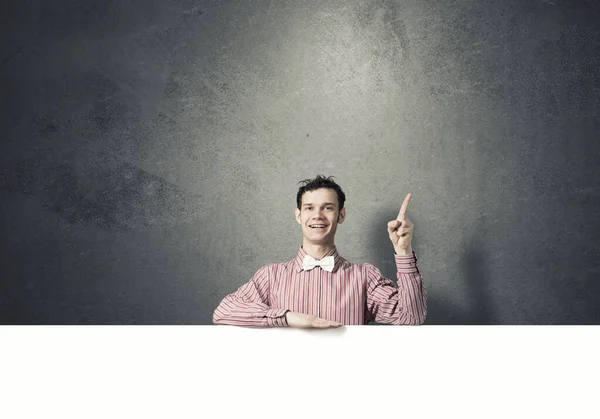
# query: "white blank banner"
{"type": "Point", "coordinates": [354, 371]}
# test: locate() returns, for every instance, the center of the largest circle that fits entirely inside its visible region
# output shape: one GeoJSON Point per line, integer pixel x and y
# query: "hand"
{"type": "Point", "coordinates": [401, 230]}
{"type": "Point", "coordinates": [306, 321]}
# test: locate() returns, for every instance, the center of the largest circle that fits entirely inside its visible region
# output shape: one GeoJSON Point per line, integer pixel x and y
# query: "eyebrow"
{"type": "Point", "coordinates": [325, 203]}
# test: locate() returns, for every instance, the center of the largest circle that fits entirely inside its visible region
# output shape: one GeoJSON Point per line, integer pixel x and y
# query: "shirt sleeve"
{"type": "Point", "coordinates": [405, 303]}
{"type": "Point", "coordinates": [249, 305]}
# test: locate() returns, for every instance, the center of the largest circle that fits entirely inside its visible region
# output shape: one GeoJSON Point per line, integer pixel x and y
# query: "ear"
{"type": "Point", "coordinates": [298, 219]}
{"type": "Point", "coordinates": [342, 216]}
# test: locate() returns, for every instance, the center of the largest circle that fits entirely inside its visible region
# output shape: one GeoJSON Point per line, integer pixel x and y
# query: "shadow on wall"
{"type": "Point", "coordinates": [471, 275]}
{"type": "Point", "coordinates": [473, 265]}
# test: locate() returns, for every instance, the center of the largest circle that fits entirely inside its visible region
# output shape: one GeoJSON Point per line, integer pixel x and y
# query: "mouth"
{"type": "Point", "coordinates": [317, 226]}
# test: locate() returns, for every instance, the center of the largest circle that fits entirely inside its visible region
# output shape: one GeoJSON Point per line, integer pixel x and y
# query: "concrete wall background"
{"type": "Point", "coordinates": [151, 151]}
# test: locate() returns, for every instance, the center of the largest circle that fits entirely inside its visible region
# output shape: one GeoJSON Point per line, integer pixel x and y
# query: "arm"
{"type": "Point", "coordinates": [249, 305]}
{"type": "Point", "coordinates": [405, 304]}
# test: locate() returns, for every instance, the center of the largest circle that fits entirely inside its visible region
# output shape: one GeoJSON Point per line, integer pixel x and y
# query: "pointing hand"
{"type": "Point", "coordinates": [401, 230]}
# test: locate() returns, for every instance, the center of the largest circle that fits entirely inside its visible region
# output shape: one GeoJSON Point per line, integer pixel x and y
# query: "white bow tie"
{"type": "Point", "coordinates": [326, 263]}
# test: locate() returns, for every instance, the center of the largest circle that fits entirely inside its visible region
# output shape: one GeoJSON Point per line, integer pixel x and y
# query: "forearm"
{"type": "Point", "coordinates": [234, 311]}
{"type": "Point", "coordinates": [412, 295]}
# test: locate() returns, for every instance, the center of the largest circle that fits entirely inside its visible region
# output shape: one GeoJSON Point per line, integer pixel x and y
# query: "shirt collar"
{"type": "Point", "coordinates": [333, 252]}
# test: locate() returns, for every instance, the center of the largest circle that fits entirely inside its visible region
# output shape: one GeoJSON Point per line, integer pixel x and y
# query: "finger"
{"type": "Point", "coordinates": [326, 321]}
{"type": "Point", "coordinates": [406, 222]}
{"type": "Point", "coordinates": [404, 207]}
{"type": "Point", "coordinates": [323, 323]}
{"type": "Point", "coordinates": [317, 322]}
{"type": "Point", "coordinates": [393, 225]}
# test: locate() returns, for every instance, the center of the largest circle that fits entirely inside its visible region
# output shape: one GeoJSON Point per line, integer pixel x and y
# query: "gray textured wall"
{"type": "Point", "coordinates": [151, 151]}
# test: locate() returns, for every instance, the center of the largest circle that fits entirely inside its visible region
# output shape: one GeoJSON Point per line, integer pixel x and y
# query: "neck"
{"type": "Point", "coordinates": [317, 251]}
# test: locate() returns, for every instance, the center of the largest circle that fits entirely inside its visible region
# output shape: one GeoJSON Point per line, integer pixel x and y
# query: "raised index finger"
{"type": "Point", "coordinates": [404, 207]}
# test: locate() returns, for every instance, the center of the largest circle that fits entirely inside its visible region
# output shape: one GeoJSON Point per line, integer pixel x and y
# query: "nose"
{"type": "Point", "coordinates": [317, 215]}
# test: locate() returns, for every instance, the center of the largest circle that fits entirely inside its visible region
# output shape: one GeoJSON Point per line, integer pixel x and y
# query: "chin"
{"type": "Point", "coordinates": [326, 238]}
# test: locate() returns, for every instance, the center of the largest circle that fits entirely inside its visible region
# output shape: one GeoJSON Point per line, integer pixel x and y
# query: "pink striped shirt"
{"type": "Point", "coordinates": [354, 293]}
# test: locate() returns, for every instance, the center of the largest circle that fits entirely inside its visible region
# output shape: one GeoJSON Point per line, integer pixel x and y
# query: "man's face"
{"type": "Point", "coordinates": [318, 216]}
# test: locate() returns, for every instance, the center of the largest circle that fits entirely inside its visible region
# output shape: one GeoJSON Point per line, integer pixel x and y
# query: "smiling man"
{"type": "Point", "coordinates": [319, 288]}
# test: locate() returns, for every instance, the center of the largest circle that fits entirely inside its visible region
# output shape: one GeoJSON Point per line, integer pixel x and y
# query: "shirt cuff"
{"type": "Point", "coordinates": [276, 317]}
{"type": "Point", "coordinates": [406, 264]}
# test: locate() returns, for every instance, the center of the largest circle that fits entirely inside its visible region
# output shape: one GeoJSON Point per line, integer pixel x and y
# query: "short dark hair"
{"type": "Point", "coordinates": [318, 183]}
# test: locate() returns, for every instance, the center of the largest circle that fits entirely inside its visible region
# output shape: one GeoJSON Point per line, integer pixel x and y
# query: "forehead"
{"type": "Point", "coordinates": [319, 196]}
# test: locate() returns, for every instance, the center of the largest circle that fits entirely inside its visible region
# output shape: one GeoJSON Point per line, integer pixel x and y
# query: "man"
{"type": "Point", "coordinates": [321, 289]}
